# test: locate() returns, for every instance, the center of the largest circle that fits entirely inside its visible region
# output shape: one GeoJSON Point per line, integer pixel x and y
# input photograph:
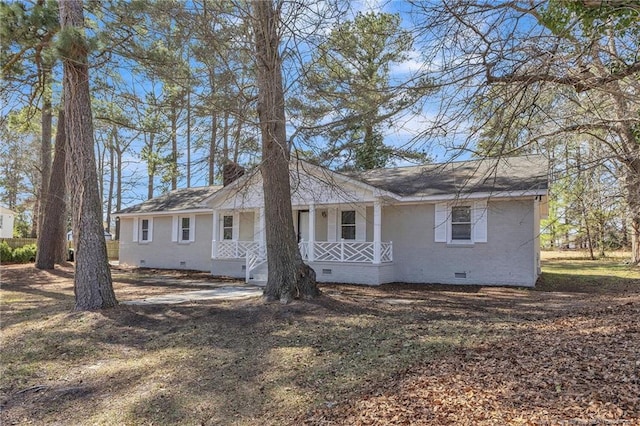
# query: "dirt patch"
{"type": "Point", "coordinates": [393, 354]}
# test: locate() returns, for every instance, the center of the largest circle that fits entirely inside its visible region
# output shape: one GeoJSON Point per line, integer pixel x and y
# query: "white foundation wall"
{"type": "Point", "coordinates": [228, 268]}
{"type": "Point", "coordinates": [353, 273]}
{"type": "Point", "coordinates": [161, 252]}
{"type": "Point", "coordinates": [507, 258]}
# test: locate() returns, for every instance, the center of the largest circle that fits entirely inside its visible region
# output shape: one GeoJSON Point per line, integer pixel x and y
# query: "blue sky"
{"type": "Point", "coordinates": [402, 131]}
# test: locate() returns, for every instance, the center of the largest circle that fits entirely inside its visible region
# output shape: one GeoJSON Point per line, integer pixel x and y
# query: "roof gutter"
{"type": "Point", "coordinates": [476, 195]}
{"type": "Point", "coordinates": [164, 212]}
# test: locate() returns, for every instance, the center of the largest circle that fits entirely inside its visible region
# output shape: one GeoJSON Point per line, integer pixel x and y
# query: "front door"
{"type": "Point", "coordinates": [303, 225]}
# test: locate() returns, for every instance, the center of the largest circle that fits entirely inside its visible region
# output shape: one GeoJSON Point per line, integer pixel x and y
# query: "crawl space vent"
{"type": "Point", "coordinates": [326, 272]}
{"type": "Point", "coordinates": [244, 267]}
{"type": "Point", "coordinates": [183, 263]}
{"type": "Point", "coordinates": [460, 274]}
{"type": "Point", "coordinates": [143, 262]}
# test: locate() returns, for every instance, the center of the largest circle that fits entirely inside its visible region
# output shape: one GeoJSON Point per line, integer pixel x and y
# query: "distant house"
{"type": "Point", "coordinates": [6, 222]}
{"type": "Point", "coordinates": [470, 222]}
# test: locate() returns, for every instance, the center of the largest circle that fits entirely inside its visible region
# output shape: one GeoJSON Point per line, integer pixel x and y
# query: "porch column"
{"type": "Point", "coordinates": [377, 230]}
{"type": "Point", "coordinates": [260, 224]}
{"type": "Point", "coordinates": [332, 224]}
{"type": "Point", "coordinates": [312, 232]}
{"type": "Point", "coordinates": [216, 230]}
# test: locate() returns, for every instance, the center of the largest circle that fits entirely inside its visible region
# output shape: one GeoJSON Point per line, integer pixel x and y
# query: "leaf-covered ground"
{"type": "Point", "coordinates": [579, 368]}
{"type": "Point", "coordinates": [565, 353]}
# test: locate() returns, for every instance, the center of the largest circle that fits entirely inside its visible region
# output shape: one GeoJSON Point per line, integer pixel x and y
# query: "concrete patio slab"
{"type": "Point", "coordinates": [221, 293]}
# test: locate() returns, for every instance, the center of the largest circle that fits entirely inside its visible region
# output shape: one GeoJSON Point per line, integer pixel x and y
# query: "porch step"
{"type": "Point", "coordinates": [259, 275]}
{"type": "Point", "coordinates": [259, 280]}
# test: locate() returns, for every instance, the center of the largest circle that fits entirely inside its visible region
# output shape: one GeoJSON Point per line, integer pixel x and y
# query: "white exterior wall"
{"type": "Point", "coordinates": [246, 228]}
{"type": "Point", "coordinates": [161, 252]}
{"type": "Point", "coordinates": [228, 268]}
{"type": "Point", "coordinates": [507, 258]}
{"type": "Point", "coordinates": [6, 231]}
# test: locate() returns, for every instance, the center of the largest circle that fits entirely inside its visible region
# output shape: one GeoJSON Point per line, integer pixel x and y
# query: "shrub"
{"type": "Point", "coordinates": [25, 254]}
{"type": "Point", "coordinates": [6, 252]}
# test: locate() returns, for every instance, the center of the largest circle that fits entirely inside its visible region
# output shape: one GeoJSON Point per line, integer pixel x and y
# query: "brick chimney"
{"type": "Point", "coordinates": [231, 172]}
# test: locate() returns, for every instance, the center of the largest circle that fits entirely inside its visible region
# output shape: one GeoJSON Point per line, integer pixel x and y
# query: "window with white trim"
{"type": "Point", "coordinates": [185, 229]}
{"type": "Point", "coordinates": [348, 225]}
{"type": "Point", "coordinates": [145, 230]}
{"type": "Point", "coordinates": [227, 227]}
{"type": "Point", "coordinates": [461, 223]}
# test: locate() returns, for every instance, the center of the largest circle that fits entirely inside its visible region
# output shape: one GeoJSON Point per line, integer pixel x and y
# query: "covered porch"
{"type": "Point", "coordinates": [330, 237]}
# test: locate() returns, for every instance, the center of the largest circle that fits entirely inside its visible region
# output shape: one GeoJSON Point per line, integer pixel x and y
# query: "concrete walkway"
{"type": "Point", "coordinates": [220, 293]}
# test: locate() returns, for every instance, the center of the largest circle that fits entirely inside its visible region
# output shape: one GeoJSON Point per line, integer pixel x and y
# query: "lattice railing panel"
{"type": "Point", "coordinates": [235, 249]}
{"type": "Point", "coordinates": [386, 252]}
{"type": "Point", "coordinates": [344, 251]}
{"type": "Point", "coordinates": [304, 250]}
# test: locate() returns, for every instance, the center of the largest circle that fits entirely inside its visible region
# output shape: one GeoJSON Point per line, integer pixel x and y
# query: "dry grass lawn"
{"type": "Point", "coordinates": [568, 351]}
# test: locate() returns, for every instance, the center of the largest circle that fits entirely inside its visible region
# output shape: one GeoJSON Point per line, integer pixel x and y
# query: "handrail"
{"type": "Point", "coordinates": [254, 257]}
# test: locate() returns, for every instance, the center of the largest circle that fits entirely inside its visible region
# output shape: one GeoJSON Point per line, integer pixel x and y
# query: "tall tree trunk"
{"type": "Point", "coordinates": [288, 276]}
{"type": "Point", "coordinates": [225, 139]}
{"type": "Point", "coordinates": [238, 135]}
{"type": "Point", "coordinates": [114, 131]}
{"type": "Point", "coordinates": [214, 128]}
{"type": "Point", "coordinates": [212, 148]}
{"type": "Point", "coordinates": [45, 147]}
{"type": "Point", "coordinates": [189, 138]}
{"type": "Point", "coordinates": [174, 147]}
{"type": "Point", "coordinates": [587, 228]}
{"type": "Point", "coordinates": [92, 281]}
{"type": "Point", "coordinates": [151, 168]}
{"type": "Point", "coordinates": [52, 241]}
{"type": "Point", "coordinates": [632, 184]}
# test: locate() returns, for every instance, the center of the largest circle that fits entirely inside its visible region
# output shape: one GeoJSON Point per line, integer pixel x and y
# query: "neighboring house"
{"type": "Point", "coordinates": [470, 222]}
{"type": "Point", "coordinates": [6, 222]}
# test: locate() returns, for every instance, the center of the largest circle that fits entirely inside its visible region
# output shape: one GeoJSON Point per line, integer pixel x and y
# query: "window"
{"type": "Point", "coordinates": [348, 225]}
{"type": "Point", "coordinates": [1, 218]}
{"type": "Point", "coordinates": [143, 230]}
{"type": "Point", "coordinates": [461, 223]}
{"type": "Point", "coordinates": [185, 229]}
{"type": "Point", "coordinates": [227, 227]}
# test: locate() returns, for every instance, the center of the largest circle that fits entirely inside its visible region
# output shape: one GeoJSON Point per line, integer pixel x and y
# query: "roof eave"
{"type": "Point", "coordinates": [164, 212]}
{"type": "Point", "coordinates": [476, 195]}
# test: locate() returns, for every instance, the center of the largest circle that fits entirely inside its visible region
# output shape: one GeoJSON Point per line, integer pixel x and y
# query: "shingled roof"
{"type": "Point", "coordinates": [177, 200]}
{"type": "Point", "coordinates": [490, 175]}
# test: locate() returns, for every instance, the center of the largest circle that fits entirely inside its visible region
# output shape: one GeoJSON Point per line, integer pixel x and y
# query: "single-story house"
{"type": "Point", "coordinates": [467, 222]}
{"type": "Point", "coordinates": [6, 222]}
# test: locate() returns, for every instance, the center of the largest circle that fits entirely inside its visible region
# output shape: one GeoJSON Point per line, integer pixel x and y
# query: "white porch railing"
{"type": "Point", "coordinates": [255, 256]}
{"type": "Point", "coordinates": [235, 249]}
{"type": "Point", "coordinates": [386, 252]}
{"type": "Point", "coordinates": [346, 251]}
{"type": "Point", "coordinates": [324, 251]}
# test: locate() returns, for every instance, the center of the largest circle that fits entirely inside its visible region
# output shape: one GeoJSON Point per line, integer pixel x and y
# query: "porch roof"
{"type": "Point", "coordinates": [489, 175]}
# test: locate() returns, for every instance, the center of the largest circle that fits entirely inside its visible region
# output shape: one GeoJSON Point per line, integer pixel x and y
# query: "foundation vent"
{"type": "Point", "coordinates": [143, 262]}
{"type": "Point", "coordinates": [460, 274]}
{"type": "Point", "coordinates": [183, 263]}
{"type": "Point", "coordinates": [326, 272]}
